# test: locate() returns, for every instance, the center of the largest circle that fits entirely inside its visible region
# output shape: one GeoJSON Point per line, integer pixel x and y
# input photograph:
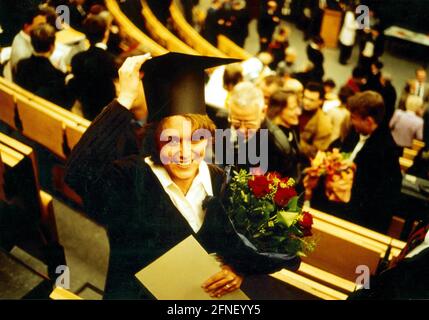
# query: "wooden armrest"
{"type": "Point", "coordinates": [63, 294]}
{"type": "Point", "coordinates": [312, 287]}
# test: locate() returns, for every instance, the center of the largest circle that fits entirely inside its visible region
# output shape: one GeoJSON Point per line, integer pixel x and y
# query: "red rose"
{"type": "Point", "coordinates": [283, 195]}
{"type": "Point", "coordinates": [259, 185]}
{"type": "Point", "coordinates": [306, 221]}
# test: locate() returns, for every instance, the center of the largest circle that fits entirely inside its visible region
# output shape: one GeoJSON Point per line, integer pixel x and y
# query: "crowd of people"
{"type": "Point", "coordinates": [302, 111]}
{"type": "Point", "coordinates": [80, 76]}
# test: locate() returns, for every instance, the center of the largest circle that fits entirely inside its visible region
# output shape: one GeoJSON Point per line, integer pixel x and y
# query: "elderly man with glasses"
{"type": "Point", "coordinates": [252, 140]}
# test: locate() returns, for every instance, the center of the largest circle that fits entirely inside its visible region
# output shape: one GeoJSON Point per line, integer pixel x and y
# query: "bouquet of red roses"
{"type": "Point", "coordinates": [267, 211]}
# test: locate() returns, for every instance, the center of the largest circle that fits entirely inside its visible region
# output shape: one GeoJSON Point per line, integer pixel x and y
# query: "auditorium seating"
{"type": "Point", "coordinates": [54, 128]}
{"type": "Point", "coordinates": [19, 176]}
{"type": "Point", "coordinates": [189, 35]}
{"type": "Point", "coordinates": [40, 120]}
{"type": "Point", "coordinates": [417, 145]}
{"type": "Point", "coordinates": [309, 286]}
{"type": "Point", "coordinates": [228, 47]}
{"type": "Point", "coordinates": [161, 34]}
{"type": "Point", "coordinates": [146, 43]}
{"type": "Point", "coordinates": [60, 293]}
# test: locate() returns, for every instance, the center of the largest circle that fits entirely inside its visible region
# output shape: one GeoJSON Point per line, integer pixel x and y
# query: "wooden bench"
{"type": "Point", "coordinates": [231, 49]}
{"type": "Point", "coordinates": [7, 107]}
{"type": "Point", "coordinates": [60, 293]}
{"type": "Point", "coordinates": [417, 145]}
{"type": "Point", "coordinates": [340, 251]}
{"type": "Point", "coordinates": [51, 126]}
{"type": "Point", "coordinates": [405, 164]}
{"type": "Point", "coordinates": [189, 35]}
{"type": "Point", "coordinates": [310, 286]}
{"type": "Point", "coordinates": [409, 153]}
{"type": "Point", "coordinates": [20, 161]}
{"type": "Point", "coordinates": [161, 34]}
{"type": "Point", "coordinates": [384, 240]}
{"type": "Point", "coordinates": [146, 43]}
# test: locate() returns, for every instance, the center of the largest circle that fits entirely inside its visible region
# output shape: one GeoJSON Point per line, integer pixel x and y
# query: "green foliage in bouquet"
{"type": "Point", "coordinates": [268, 212]}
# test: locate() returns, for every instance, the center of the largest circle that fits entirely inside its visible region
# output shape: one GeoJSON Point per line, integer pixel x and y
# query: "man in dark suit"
{"type": "Point", "coordinates": [268, 19]}
{"type": "Point", "coordinates": [377, 181]}
{"type": "Point", "coordinates": [94, 70]}
{"type": "Point", "coordinates": [315, 56]}
{"type": "Point", "coordinates": [38, 75]}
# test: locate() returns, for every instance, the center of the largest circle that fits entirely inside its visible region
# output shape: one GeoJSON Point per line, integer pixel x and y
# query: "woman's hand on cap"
{"type": "Point", "coordinates": [129, 79]}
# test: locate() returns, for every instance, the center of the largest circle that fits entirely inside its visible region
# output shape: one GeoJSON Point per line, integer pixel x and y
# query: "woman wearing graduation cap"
{"type": "Point", "coordinates": [149, 204]}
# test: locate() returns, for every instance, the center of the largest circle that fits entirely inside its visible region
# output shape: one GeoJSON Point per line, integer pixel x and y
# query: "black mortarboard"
{"type": "Point", "coordinates": [174, 84]}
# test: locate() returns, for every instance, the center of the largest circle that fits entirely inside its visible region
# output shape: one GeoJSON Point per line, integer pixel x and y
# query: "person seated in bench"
{"type": "Point", "coordinates": [38, 75]}
{"type": "Point", "coordinates": [94, 70]}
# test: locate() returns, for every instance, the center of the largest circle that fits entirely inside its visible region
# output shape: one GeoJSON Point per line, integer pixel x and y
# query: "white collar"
{"type": "Point", "coordinates": [364, 137]}
{"type": "Point", "coordinates": [101, 45]}
{"type": "Point", "coordinates": [203, 177]}
{"type": "Point", "coordinates": [25, 36]}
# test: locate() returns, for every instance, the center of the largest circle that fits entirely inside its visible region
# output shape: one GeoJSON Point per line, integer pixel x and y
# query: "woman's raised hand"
{"type": "Point", "coordinates": [129, 79]}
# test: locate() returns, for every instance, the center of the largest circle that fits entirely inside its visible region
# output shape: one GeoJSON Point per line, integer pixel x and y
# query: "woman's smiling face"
{"type": "Point", "coordinates": [180, 154]}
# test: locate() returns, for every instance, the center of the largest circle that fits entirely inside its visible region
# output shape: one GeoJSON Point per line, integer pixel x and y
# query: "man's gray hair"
{"type": "Point", "coordinates": [246, 94]}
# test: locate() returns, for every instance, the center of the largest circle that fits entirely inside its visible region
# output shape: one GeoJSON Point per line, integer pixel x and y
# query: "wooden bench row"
{"type": "Point", "coordinates": [161, 34]}
{"type": "Point", "coordinates": [14, 159]}
{"type": "Point", "coordinates": [146, 43]}
{"type": "Point", "coordinates": [226, 47]}
{"type": "Point", "coordinates": [49, 125]}
{"type": "Point", "coordinates": [190, 36]}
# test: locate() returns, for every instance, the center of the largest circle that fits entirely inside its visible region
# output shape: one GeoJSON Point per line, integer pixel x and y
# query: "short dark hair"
{"type": "Point", "coordinates": [232, 75]}
{"type": "Point", "coordinates": [95, 28]}
{"type": "Point", "coordinates": [345, 93]}
{"type": "Point", "coordinates": [42, 38]}
{"type": "Point", "coordinates": [367, 104]}
{"type": "Point", "coordinates": [50, 14]}
{"type": "Point", "coordinates": [316, 87]}
{"type": "Point", "coordinates": [278, 101]}
{"type": "Point", "coordinates": [358, 72]}
{"type": "Point", "coordinates": [318, 40]}
{"type": "Point", "coordinates": [29, 14]}
{"type": "Point", "coordinates": [329, 83]}
{"type": "Point", "coordinates": [378, 64]}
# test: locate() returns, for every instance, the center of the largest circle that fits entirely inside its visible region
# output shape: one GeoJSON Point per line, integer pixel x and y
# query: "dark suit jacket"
{"type": "Point", "coordinates": [282, 158]}
{"type": "Point", "coordinates": [408, 280]}
{"type": "Point", "coordinates": [376, 185]}
{"type": "Point", "coordinates": [121, 192]}
{"type": "Point", "coordinates": [317, 59]}
{"type": "Point", "coordinates": [94, 72]}
{"type": "Point", "coordinates": [38, 75]}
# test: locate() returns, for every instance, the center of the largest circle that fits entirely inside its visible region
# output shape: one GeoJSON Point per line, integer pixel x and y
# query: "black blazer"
{"type": "Point", "coordinates": [377, 183]}
{"type": "Point", "coordinates": [317, 59]}
{"type": "Point", "coordinates": [39, 76]}
{"type": "Point", "coordinates": [121, 192]}
{"type": "Point", "coordinates": [408, 280]}
{"type": "Point", "coordinates": [94, 72]}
